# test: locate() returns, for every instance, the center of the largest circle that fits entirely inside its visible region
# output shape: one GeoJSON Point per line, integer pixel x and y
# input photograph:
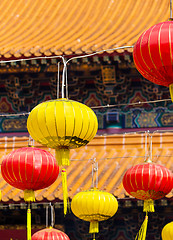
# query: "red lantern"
{"type": "Point", "coordinates": [29, 169]}
{"type": "Point", "coordinates": [153, 54]}
{"type": "Point", "coordinates": [148, 182]}
{"type": "Point", "coordinates": [49, 234]}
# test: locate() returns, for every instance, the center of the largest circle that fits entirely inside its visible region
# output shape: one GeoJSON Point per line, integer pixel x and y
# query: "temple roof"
{"type": "Point", "coordinates": [114, 155]}
{"type": "Point", "coordinates": [51, 27]}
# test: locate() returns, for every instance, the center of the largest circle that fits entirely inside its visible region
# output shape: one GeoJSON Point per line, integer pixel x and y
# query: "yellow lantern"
{"type": "Point", "coordinates": [62, 124]}
{"type": "Point", "coordinates": [167, 231]}
{"type": "Point", "coordinates": [94, 205]}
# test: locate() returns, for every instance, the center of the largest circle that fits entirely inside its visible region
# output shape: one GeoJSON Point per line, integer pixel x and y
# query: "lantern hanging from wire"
{"type": "Point", "coordinates": [167, 231]}
{"type": "Point", "coordinates": [147, 182]}
{"type": "Point", "coordinates": [62, 124]}
{"type": "Point", "coordinates": [153, 54]}
{"type": "Point", "coordinates": [94, 205]}
{"type": "Point", "coordinates": [49, 234]}
{"type": "Point", "coordinates": [29, 169]}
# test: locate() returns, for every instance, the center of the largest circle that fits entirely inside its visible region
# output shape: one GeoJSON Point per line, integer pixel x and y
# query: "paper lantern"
{"type": "Point", "coordinates": [147, 182]}
{"type": "Point", "coordinates": [167, 232]}
{"type": "Point", "coordinates": [94, 205]}
{"type": "Point", "coordinates": [62, 124]}
{"type": "Point", "coordinates": [153, 54]}
{"type": "Point", "coordinates": [29, 169]}
{"type": "Point", "coordinates": [50, 234]}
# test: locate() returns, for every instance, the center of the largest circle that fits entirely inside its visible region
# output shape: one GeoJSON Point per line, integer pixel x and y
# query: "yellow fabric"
{"type": "Point", "coordinates": [94, 227]}
{"type": "Point", "coordinates": [143, 230]}
{"type": "Point", "coordinates": [171, 91]}
{"type": "Point", "coordinates": [64, 187]}
{"type": "Point", "coordinates": [28, 223]}
{"type": "Point", "coordinates": [167, 231]}
{"type": "Point", "coordinates": [148, 206]}
{"type": "Point", "coordinates": [29, 195]}
{"type": "Point", "coordinates": [62, 156]}
{"type": "Point", "coordinates": [62, 123]}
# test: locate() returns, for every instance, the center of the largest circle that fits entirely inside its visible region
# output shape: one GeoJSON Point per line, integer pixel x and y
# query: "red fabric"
{"type": "Point", "coordinates": [153, 53]}
{"type": "Point", "coordinates": [148, 181]}
{"type": "Point", "coordinates": [49, 234]}
{"type": "Point", "coordinates": [29, 168]}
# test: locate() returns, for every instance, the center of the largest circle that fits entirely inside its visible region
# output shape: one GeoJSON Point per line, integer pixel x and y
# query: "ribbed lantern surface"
{"type": "Point", "coordinates": [49, 234]}
{"type": "Point", "coordinates": [148, 181]}
{"type": "Point", "coordinates": [29, 169]}
{"type": "Point", "coordinates": [153, 54]}
{"type": "Point", "coordinates": [62, 124]}
{"type": "Point", "coordinates": [167, 232]}
{"type": "Point", "coordinates": [94, 205]}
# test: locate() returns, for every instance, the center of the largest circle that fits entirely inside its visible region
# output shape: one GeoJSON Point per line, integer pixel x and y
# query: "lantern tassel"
{"type": "Point", "coordinates": [62, 156]}
{"type": "Point", "coordinates": [64, 188]}
{"type": "Point", "coordinates": [143, 230]}
{"type": "Point", "coordinates": [0, 195]}
{"type": "Point", "coordinates": [29, 195]}
{"type": "Point", "coordinates": [171, 91]}
{"type": "Point", "coordinates": [94, 227]}
{"type": "Point", "coordinates": [29, 222]}
{"type": "Point", "coordinates": [148, 205]}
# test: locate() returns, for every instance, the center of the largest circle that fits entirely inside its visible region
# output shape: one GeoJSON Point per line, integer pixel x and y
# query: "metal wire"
{"type": "Point", "coordinates": [170, 8]}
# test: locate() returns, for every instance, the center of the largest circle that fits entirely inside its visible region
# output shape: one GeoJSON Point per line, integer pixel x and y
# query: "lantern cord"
{"type": "Point", "coordinates": [170, 9]}
{"type": "Point", "coordinates": [94, 173]}
{"type": "Point", "coordinates": [145, 146]}
{"type": "Point", "coordinates": [31, 141]}
{"type": "Point", "coordinates": [63, 76]}
{"type": "Point", "coordinates": [66, 84]}
{"type": "Point", "coordinates": [47, 213]}
{"type": "Point", "coordinates": [151, 147]}
{"type": "Point", "coordinates": [52, 215]}
{"type": "Point", "coordinates": [58, 80]}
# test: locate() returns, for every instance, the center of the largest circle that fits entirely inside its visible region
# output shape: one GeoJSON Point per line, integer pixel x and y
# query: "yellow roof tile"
{"type": "Point", "coordinates": [51, 27]}
{"type": "Point", "coordinates": [114, 155]}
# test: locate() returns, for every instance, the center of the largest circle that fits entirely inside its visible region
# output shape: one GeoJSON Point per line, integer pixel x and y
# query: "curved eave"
{"type": "Point", "coordinates": [51, 27]}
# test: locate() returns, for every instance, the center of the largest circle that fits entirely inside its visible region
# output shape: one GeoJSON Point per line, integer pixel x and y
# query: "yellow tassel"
{"type": "Point", "coordinates": [94, 236]}
{"type": "Point", "coordinates": [0, 195]}
{"type": "Point", "coordinates": [29, 195]}
{"type": "Point", "coordinates": [62, 155]}
{"type": "Point", "coordinates": [171, 91]}
{"type": "Point", "coordinates": [148, 205]}
{"type": "Point", "coordinates": [28, 223]}
{"type": "Point", "coordinates": [143, 230]}
{"type": "Point", "coordinates": [64, 188]}
{"type": "Point", "coordinates": [94, 227]}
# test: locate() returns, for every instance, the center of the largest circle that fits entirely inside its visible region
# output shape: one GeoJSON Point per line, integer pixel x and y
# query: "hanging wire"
{"type": "Point", "coordinates": [47, 215]}
{"type": "Point", "coordinates": [94, 173]}
{"type": "Point", "coordinates": [170, 9]}
{"type": "Point", "coordinates": [58, 79]}
{"type": "Point", "coordinates": [151, 146]}
{"type": "Point", "coordinates": [52, 215]}
{"type": "Point", "coordinates": [63, 77]}
{"type": "Point", "coordinates": [145, 146]}
{"type": "Point", "coordinates": [66, 83]}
